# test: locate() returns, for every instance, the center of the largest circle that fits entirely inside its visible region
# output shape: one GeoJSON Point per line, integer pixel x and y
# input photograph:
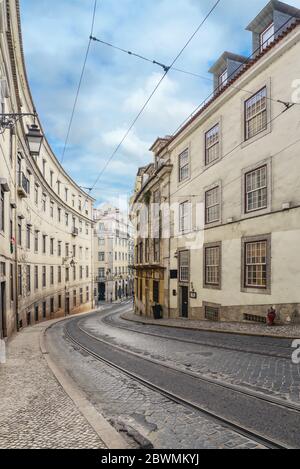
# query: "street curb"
{"type": "Point", "coordinates": [202, 329]}
{"type": "Point", "coordinates": [106, 432]}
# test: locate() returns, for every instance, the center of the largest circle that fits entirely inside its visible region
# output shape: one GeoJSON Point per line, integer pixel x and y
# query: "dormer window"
{"type": "Point", "coordinates": [223, 79]}
{"type": "Point", "coordinates": [267, 37]}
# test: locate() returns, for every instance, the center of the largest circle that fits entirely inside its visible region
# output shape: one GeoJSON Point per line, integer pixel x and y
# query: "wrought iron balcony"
{"type": "Point", "coordinates": [23, 185]}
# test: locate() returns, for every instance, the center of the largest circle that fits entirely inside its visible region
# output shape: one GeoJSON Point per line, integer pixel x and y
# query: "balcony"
{"type": "Point", "coordinates": [23, 185]}
{"type": "Point", "coordinates": [75, 232]}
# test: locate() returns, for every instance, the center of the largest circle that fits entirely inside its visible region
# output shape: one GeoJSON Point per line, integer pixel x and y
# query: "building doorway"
{"type": "Point", "coordinates": [184, 302]}
{"type": "Point", "coordinates": [67, 305]}
{"type": "Point", "coordinates": [3, 325]}
{"type": "Point", "coordinates": [101, 291]}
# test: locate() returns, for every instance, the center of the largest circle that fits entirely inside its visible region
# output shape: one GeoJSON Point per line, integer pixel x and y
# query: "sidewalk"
{"type": "Point", "coordinates": [35, 411]}
{"type": "Point", "coordinates": [287, 332]}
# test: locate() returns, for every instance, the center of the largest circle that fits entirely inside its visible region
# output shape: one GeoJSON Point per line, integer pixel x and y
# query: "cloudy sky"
{"type": "Point", "coordinates": [55, 34]}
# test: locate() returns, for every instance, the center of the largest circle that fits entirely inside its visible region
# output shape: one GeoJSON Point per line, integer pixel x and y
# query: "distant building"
{"type": "Point", "coordinates": [113, 254]}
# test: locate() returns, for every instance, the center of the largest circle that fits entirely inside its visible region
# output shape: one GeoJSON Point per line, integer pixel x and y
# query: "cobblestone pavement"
{"type": "Point", "coordinates": [35, 412]}
{"type": "Point", "coordinates": [277, 377]}
{"type": "Point", "coordinates": [129, 404]}
{"type": "Point", "coordinates": [290, 331]}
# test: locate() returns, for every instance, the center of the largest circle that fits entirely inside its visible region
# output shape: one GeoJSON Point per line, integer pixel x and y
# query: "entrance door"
{"type": "Point", "coordinates": [3, 327]}
{"type": "Point", "coordinates": [67, 305]}
{"type": "Point", "coordinates": [102, 291]}
{"type": "Point", "coordinates": [184, 300]}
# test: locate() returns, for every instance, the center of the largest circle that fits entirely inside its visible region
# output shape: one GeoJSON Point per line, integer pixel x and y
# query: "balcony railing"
{"type": "Point", "coordinates": [23, 185]}
{"type": "Point", "coordinates": [75, 231]}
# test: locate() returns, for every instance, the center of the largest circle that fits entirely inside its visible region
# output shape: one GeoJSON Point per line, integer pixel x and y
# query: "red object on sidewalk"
{"type": "Point", "coordinates": [271, 316]}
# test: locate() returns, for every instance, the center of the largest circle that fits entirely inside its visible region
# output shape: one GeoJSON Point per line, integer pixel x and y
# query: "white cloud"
{"type": "Point", "coordinates": [115, 85]}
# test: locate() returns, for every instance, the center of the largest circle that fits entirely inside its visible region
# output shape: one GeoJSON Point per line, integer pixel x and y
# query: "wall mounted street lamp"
{"type": "Point", "coordinates": [34, 137]}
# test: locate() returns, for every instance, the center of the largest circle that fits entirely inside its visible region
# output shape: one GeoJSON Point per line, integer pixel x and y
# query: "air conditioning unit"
{"type": "Point", "coordinates": [286, 206]}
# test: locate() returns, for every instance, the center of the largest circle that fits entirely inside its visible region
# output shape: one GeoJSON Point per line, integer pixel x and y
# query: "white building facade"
{"type": "Point", "coordinates": [234, 194]}
{"type": "Point", "coordinates": [45, 218]}
{"type": "Point", "coordinates": [113, 259]}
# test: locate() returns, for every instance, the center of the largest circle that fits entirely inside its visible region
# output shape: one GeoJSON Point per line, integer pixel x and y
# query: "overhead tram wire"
{"type": "Point", "coordinates": [186, 72]}
{"type": "Point", "coordinates": [153, 93]}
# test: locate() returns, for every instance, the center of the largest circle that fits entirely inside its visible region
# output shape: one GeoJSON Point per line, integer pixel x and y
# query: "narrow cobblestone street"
{"type": "Point", "coordinates": [35, 412]}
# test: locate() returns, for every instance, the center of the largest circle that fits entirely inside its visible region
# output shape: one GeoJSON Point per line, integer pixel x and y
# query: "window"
{"type": "Point", "coordinates": [51, 178]}
{"type": "Point", "coordinates": [59, 301]}
{"type": "Point", "coordinates": [101, 272]}
{"type": "Point", "coordinates": [51, 275]}
{"type": "Point", "coordinates": [28, 279]}
{"type": "Point", "coordinates": [74, 250]}
{"type": "Point", "coordinates": [36, 194]}
{"type": "Point", "coordinates": [223, 79]}
{"type": "Point", "coordinates": [156, 248]}
{"type": "Point", "coordinates": [212, 145]}
{"type": "Point", "coordinates": [59, 274]}
{"type": "Point", "coordinates": [19, 280]}
{"type": "Point", "coordinates": [28, 228]}
{"type": "Point", "coordinates": [67, 250]}
{"type": "Point", "coordinates": [20, 233]}
{"type": "Point", "coordinates": [44, 202]}
{"type": "Point", "coordinates": [52, 246]}
{"type": "Point", "coordinates": [81, 272]}
{"type": "Point", "coordinates": [36, 241]}
{"type": "Point", "coordinates": [256, 189]}
{"type": "Point", "coordinates": [256, 264]}
{"type": "Point", "coordinates": [66, 194]}
{"type": "Point", "coordinates": [87, 294]}
{"type": "Point", "coordinates": [74, 272]}
{"type": "Point", "coordinates": [44, 277]}
{"type": "Point", "coordinates": [256, 114]}
{"type": "Point", "coordinates": [184, 217]}
{"type": "Point", "coordinates": [67, 274]}
{"type": "Point", "coordinates": [67, 219]}
{"type": "Point", "coordinates": [267, 37]}
{"type": "Point", "coordinates": [87, 272]}
{"type": "Point", "coordinates": [59, 248]}
{"type": "Point", "coordinates": [74, 298]}
{"type": "Point", "coordinates": [59, 214]}
{"type": "Point", "coordinates": [44, 244]}
{"type": "Point", "coordinates": [212, 205]}
{"type": "Point", "coordinates": [2, 217]}
{"type": "Point", "coordinates": [212, 258]}
{"type": "Point", "coordinates": [36, 277]}
{"type": "Point", "coordinates": [212, 313]}
{"type": "Point", "coordinates": [101, 256]}
{"type": "Point", "coordinates": [155, 291]}
{"type": "Point", "coordinates": [184, 266]}
{"type": "Point", "coordinates": [52, 209]}
{"type": "Point", "coordinates": [184, 166]}
{"type": "Point", "coordinates": [81, 296]}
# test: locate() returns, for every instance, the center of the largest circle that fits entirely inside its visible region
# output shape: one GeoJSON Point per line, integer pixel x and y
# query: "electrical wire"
{"type": "Point", "coordinates": [152, 94]}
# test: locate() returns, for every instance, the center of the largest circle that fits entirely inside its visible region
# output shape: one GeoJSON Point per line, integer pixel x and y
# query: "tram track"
{"type": "Point", "coordinates": [151, 374]}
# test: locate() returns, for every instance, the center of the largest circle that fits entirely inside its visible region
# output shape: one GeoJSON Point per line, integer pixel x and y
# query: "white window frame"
{"type": "Point", "coordinates": [266, 41]}
{"type": "Point", "coordinates": [256, 114]}
{"type": "Point", "coordinates": [257, 190]}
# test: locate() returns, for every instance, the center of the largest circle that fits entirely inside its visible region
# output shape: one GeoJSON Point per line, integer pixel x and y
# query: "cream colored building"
{"type": "Point", "coordinates": [45, 218]}
{"type": "Point", "coordinates": [234, 187]}
{"type": "Point", "coordinates": [113, 254]}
